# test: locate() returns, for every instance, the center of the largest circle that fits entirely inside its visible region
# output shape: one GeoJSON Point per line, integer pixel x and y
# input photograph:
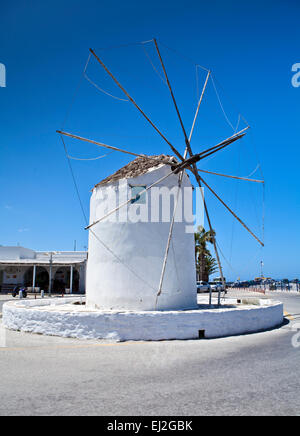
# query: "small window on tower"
{"type": "Point", "coordinates": [137, 194]}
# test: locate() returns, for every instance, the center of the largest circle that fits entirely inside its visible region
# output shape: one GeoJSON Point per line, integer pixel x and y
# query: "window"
{"type": "Point", "coordinates": [135, 194]}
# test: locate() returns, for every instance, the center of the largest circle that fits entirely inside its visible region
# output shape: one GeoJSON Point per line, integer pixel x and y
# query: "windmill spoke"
{"type": "Point", "coordinates": [205, 205]}
{"type": "Point", "coordinates": [199, 156]}
{"type": "Point", "coordinates": [195, 172]}
{"type": "Point", "coordinates": [100, 144]}
{"type": "Point", "coordinates": [231, 211]}
{"type": "Point", "coordinates": [169, 241]}
{"type": "Point", "coordinates": [198, 178]}
{"type": "Point", "coordinates": [232, 177]}
{"type": "Point", "coordinates": [173, 98]}
{"type": "Point", "coordinates": [223, 144]}
{"type": "Point", "coordinates": [110, 147]}
{"type": "Point", "coordinates": [214, 242]}
{"type": "Point", "coordinates": [198, 107]}
{"type": "Point", "coordinates": [187, 150]}
{"type": "Point", "coordinates": [226, 144]}
{"type": "Point", "coordinates": [136, 105]}
{"type": "Point", "coordinates": [181, 168]}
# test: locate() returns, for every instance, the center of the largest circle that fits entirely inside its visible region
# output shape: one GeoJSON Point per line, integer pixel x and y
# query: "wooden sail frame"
{"type": "Point", "coordinates": [185, 163]}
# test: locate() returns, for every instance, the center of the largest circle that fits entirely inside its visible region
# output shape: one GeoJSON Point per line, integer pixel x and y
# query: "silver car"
{"type": "Point", "coordinates": [216, 287]}
{"type": "Point", "coordinates": [202, 287]}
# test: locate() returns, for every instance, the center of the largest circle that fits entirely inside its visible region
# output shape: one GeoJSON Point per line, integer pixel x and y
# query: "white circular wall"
{"type": "Point", "coordinates": [59, 317]}
{"type": "Point", "coordinates": [126, 255]}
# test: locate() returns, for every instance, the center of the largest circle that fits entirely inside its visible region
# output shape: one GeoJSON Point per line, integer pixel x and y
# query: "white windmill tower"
{"type": "Point", "coordinates": [127, 276]}
{"type": "Point", "coordinates": [137, 266]}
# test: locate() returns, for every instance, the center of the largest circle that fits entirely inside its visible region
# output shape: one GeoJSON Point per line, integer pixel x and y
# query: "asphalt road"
{"type": "Point", "coordinates": [256, 374]}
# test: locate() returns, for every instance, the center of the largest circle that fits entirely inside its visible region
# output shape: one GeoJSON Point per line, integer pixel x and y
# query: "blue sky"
{"type": "Point", "coordinates": [250, 46]}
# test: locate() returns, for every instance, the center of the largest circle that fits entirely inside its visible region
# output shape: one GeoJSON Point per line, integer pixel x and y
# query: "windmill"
{"type": "Point", "coordinates": [188, 161]}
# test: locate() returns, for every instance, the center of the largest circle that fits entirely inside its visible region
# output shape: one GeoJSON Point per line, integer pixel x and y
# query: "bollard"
{"type": "Point", "coordinates": [20, 295]}
{"type": "Point", "coordinates": [42, 294]}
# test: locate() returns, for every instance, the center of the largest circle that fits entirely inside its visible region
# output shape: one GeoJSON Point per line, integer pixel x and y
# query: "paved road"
{"type": "Point", "coordinates": [291, 302]}
{"type": "Point", "coordinates": [257, 374]}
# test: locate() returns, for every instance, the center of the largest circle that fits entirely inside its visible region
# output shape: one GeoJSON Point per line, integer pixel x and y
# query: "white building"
{"type": "Point", "coordinates": [48, 271]}
{"type": "Point", "coordinates": [127, 248]}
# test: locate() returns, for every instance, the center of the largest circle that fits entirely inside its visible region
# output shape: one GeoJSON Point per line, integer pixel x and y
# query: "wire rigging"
{"type": "Point", "coordinates": [237, 185]}
{"type": "Point", "coordinates": [111, 47]}
{"type": "Point", "coordinates": [142, 44]}
{"type": "Point", "coordinates": [178, 53]}
{"type": "Point", "coordinates": [75, 93]}
{"type": "Point", "coordinates": [226, 260]}
{"type": "Point", "coordinates": [89, 159]}
{"type": "Point", "coordinates": [230, 100]}
{"type": "Point", "coordinates": [75, 182]}
{"type": "Point", "coordinates": [87, 222]}
{"type": "Point", "coordinates": [152, 64]}
{"type": "Point", "coordinates": [254, 171]}
{"type": "Point", "coordinates": [238, 123]}
{"type": "Point", "coordinates": [121, 261]}
{"type": "Point", "coordinates": [197, 84]}
{"type": "Point", "coordinates": [221, 104]}
{"type": "Point", "coordinates": [240, 117]}
{"type": "Point", "coordinates": [103, 90]}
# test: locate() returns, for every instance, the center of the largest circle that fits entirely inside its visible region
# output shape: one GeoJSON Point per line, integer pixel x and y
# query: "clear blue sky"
{"type": "Point", "coordinates": [250, 46]}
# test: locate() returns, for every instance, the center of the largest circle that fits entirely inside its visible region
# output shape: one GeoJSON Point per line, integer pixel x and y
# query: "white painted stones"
{"type": "Point", "coordinates": [60, 317]}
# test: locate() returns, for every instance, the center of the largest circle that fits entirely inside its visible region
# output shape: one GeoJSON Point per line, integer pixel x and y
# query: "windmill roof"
{"type": "Point", "coordinates": [138, 167]}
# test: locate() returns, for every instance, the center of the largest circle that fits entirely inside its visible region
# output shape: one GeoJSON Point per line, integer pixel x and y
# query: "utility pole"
{"type": "Point", "coordinates": [262, 274]}
{"type": "Point", "coordinates": [261, 269]}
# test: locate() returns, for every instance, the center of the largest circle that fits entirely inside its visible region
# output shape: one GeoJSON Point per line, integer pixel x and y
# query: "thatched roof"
{"type": "Point", "coordinates": [138, 167]}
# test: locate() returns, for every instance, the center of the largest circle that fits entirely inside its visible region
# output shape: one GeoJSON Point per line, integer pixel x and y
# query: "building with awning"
{"type": "Point", "coordinates": [51, 271]}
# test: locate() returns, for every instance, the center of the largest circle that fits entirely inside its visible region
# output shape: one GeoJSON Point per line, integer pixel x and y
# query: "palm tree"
{"type": "Point", "coordinates": [211, 265]}
{"type": "Point", "coordinates": [205, 263]}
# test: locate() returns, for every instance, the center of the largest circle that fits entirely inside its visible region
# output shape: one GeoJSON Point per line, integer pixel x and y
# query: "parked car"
{"type": "Point", "coordinates": [202, 287]}
{"type": "Point", "coordinates": [216, 286]}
